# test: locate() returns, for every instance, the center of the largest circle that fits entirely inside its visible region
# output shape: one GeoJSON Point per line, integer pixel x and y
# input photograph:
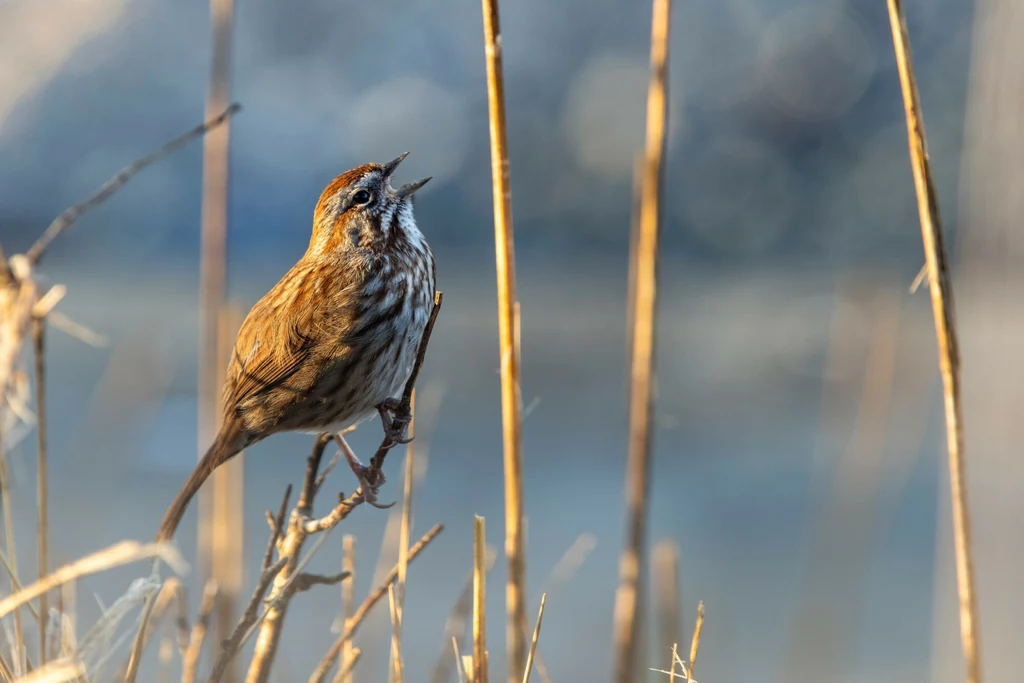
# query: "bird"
{"type": "Point", "coordinates": [335, 340]}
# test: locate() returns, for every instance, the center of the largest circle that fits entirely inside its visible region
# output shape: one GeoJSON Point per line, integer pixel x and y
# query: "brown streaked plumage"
{"type": "Point", "coordinates": [336, 338]}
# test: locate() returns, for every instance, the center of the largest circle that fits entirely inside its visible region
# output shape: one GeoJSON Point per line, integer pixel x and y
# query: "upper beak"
{"type": "Point", "coordinates": [408, 188]}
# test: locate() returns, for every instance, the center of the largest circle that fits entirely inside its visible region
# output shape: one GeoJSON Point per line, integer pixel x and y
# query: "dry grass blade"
{"type": "Point", "coordinates": [58, 671]}
{"type": "Point", "coordinates": [479, 600]}
{"type": "Point", "coordinates": [114, 556]}
{"type": "Point", "coordinates": [536, 637]}
{"type": "Point", "coordinates": [945, 331]}
{"type": "Point", "coordinates": [320, 673]}
{"type": "Point", "coordinates": [42, 504]}
{"type": "Point", "coordinates": [695, 643]}
{"type": "Point", "coordinates": [511, 401]}
{"type": "Point", "coordinates": [190, 661]}
{"type": "Point", "coordinates": [461, 672]}
{"type": "Point", "coordinates": [19, 655]}
{"type": "Point", "coordinates": [397, 671]}
{"type": "Point", "coordinates": [629, 597]}
{"type": "Point", "coordinates": [67, 219]}
{"type": "Point", "coordinates": [665, 570]}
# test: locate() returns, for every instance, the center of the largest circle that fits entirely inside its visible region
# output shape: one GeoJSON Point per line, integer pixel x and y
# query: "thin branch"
{"type": "Point", "coordinates": [398, 668]}
{"type": "Point", "coordinates": [629, 597]}
{"type": "Point", "coordinates": [72, 214]}
{"type": "Point", "coordinates": [248, 618]}
{"type": "Point", "coordinates": [351, 625]}
{"type": "Point", "coordinates": [349, 663]}
{"type": "Point", "coordinates": [941, 288]}
{"type": "Point", "coordinates": [195, 642]}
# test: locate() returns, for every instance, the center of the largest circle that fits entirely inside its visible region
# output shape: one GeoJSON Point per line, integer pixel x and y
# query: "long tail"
{"type": "Point", "coordinates": [224, 447]}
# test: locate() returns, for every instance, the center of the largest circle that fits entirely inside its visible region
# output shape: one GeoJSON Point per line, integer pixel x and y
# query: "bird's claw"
{"type": "Point", "coordinates": [395, 420]}
{"type": "Point", "coordinates": [370, 479]}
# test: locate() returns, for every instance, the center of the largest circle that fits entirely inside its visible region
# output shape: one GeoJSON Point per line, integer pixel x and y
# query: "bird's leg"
{"type": "Point", "coordinates": [370, 480]}
{"type": "Point", "coordinates": [395, 418]}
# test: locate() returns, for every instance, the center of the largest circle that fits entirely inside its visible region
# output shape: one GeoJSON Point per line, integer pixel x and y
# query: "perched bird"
{"type": "Point", "coordinates": [336, 338]}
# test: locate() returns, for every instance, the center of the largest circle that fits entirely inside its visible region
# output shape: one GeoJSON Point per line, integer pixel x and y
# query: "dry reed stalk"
{"type": "Point", "coordinates": [536, 637]}
{"type": "Point", "coordinates": [665, 570]}
{"type": "Point", "coordinates": [352, 625]}
{"type": "Point", "coordinates": [220, 531]}
{"type": "Point", "coordinates": [479, 601]}
{"type": "Point", "coordinates": [348, 564]}
{"type": "Point", "coordinates": [225, 524]}
{"type": "Point", "coordinates": [19, 655]}
{"type": "Point", "coordinates": [695, 642]}
{"type": "Point", "coordinates": [511, 402]}
{"type": "Point", "coordinates": [403, 550]}
{"type": "Point", "coordinates": [397, 671]}
{"type": "Point", "coordinates": [42, 487]}
{"type": "Point", "coordinates": [941, 289]}
{"type": "Point", "coordinates": [455, 624]}
{"type": "Point", "coordinates": [347, 665]}
{"type": "Point", "coordinates": [629, 597]}
{"type": "Point", "coordinates": [459, 670]}
{"type": "Point", "coordinates": [190, 660]}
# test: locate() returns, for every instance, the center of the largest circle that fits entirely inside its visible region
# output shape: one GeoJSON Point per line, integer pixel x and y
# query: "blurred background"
{"type": "Point", "coordinates": [799, 461]}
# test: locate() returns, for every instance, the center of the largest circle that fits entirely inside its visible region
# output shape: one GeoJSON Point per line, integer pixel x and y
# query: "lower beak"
{"type": "Point", "coordinates": [409, 188]}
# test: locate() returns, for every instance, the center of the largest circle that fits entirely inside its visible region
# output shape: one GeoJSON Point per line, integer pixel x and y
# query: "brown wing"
{"type": "Point", "coordinates": [286, 341]}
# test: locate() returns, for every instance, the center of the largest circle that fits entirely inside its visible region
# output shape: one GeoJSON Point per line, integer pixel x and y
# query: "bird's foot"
{"type": "Point", "coordinates": [370, 479]}
{"type": "Point", "coordinates": [395, 418]}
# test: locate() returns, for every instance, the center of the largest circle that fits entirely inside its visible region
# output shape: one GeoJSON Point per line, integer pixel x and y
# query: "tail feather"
{"type": "Point", "coordinates": [224, 447]}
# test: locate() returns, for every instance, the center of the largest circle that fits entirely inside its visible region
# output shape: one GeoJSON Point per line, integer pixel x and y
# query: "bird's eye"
{"type": "Point", "coordinates": [362, 197]}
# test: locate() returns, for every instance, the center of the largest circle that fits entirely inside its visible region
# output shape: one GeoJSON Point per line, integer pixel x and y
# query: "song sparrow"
{"type": "Point", "coordinates": [335, 339]}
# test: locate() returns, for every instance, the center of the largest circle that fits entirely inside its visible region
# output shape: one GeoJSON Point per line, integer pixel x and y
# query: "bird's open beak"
{"type": "Point", "coordinates": [408, 188]}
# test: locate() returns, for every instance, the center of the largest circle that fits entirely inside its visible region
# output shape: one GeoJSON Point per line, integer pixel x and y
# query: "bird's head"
{"type": "Point", "coordinates": [360, 210]}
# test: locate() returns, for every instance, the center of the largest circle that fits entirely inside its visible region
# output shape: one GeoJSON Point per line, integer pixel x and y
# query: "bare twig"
{"type": "Point", "coordinates": [349, 663]}
{"type": "Point", "coordinates": [67, 219]}
{"type": "Point", "coordinates": [536, 637]}
{"type": "Point", "coordinates": [941, 288]}
{"type": "Point", "coordinates": [629, 598]}
{"type": "Point", "coordinates": [42, 505]}
{"type": "Point", "coordinates": [479, 601]}
{"type": "Point", "coordinates": [195, 642]}
{"type": "Point", "coordinates": [351, 625]}
{"type": "Point", "coordinates": [511, 401]}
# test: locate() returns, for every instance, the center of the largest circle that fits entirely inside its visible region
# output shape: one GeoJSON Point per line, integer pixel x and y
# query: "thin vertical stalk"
{"type": "Point", "coordinates": [348, 606]}
{"type": "Point", "coordinates": [511, 404]}
{"type": "Point", "coordinates": [536, 637]}
{"type": "Point", "coordinates": [629, 597]}
{"type": "Point", "coordinates": [19, 658]}
{"type": "Point", "coordinates": [941, 290]}
{"type": "Point", "coordinates": [404, 532]}
{"type": "Point", "coordinates": [479, 601]}
{"type": "Point", "coordinates": [42, 484]}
